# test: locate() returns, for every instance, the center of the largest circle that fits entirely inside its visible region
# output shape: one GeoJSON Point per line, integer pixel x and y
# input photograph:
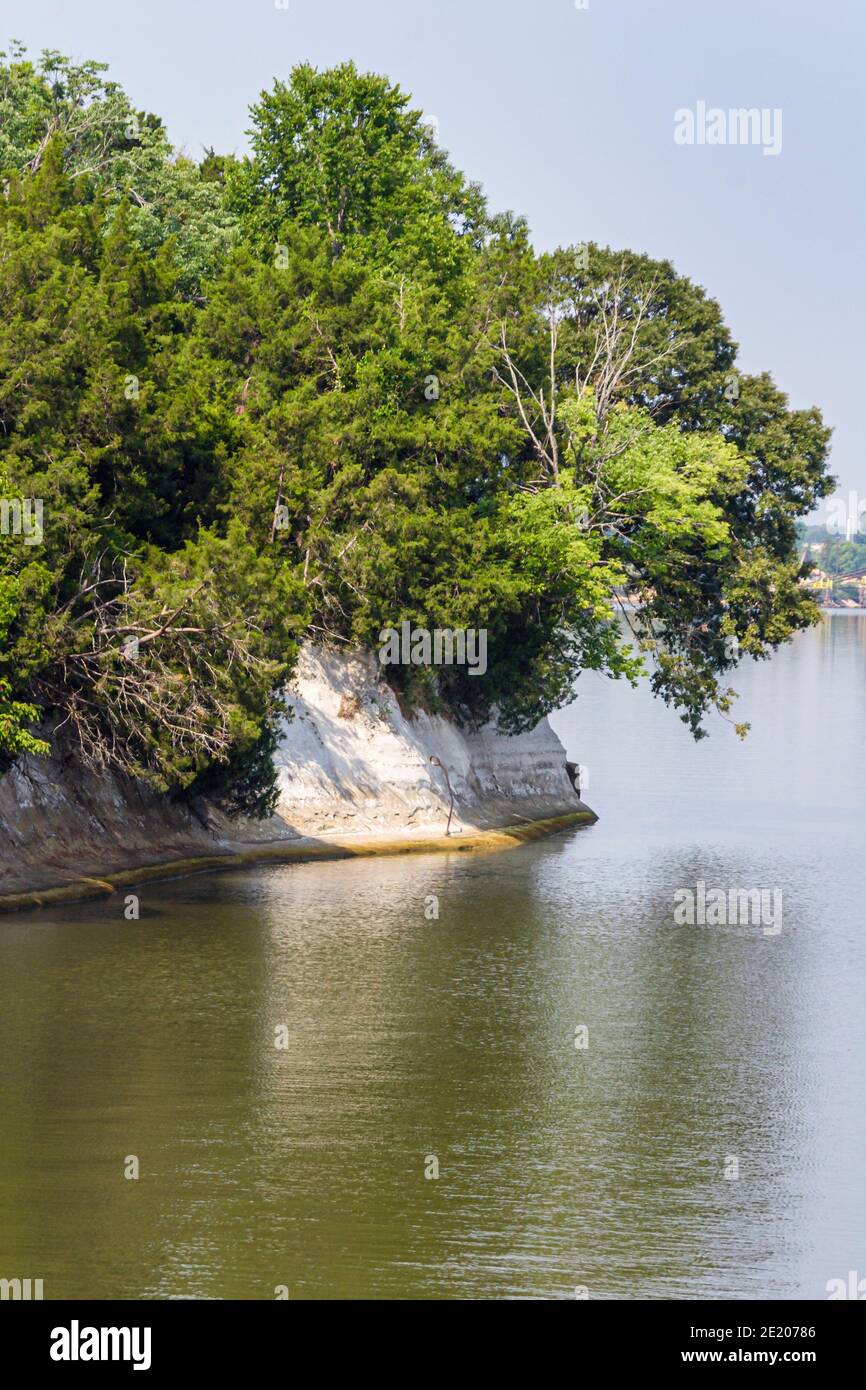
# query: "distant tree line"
{"type": "Point", "coordinates": [834, 554]}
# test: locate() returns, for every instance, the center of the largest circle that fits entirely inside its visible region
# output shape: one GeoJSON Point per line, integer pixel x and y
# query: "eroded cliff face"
{"type": "Point", "coordinates": [350, 759]}
{"type": "Point", "coordinates": [349, 762]}
{"type": "Point", "coordinates": [60, 822]}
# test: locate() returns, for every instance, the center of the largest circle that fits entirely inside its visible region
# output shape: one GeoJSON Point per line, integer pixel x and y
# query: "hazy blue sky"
{"type": "Point", "coordinates": [567, 116]}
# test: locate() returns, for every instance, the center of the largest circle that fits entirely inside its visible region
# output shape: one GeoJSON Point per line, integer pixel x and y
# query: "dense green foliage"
{"type": "Point", "coordinates": [119, 155]}
{"type": "Point", "coordinates": [341, 151]}
{"type": "Point", "coordinates": [323, 390]}
{"type": "Point", "coordinates": [159, 641]}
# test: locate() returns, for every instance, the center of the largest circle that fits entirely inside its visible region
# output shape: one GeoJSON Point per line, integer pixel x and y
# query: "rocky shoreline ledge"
{"type": "Point", "coordinates": [356, 777]}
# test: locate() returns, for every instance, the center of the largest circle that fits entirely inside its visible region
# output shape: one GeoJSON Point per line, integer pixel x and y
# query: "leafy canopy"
{"type": "Point", "coordinates": [324, 390]}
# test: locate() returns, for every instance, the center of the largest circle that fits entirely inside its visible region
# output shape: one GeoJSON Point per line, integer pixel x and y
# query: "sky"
{"type": "Point", "coordinates": [566, 111]}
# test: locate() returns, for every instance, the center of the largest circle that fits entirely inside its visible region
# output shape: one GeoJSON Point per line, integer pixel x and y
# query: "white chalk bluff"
{"type": "Point", "coordinates": [355, 776]}
{"type": "Point", "coordinates": [351, 760]}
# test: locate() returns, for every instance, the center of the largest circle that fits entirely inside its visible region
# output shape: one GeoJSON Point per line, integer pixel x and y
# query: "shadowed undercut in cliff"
{"type": "Point", "coordinates": [355, 773]}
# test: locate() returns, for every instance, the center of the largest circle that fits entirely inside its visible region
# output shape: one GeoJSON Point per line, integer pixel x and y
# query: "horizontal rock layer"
{"type": "Point", "coordinates": [349, 763]}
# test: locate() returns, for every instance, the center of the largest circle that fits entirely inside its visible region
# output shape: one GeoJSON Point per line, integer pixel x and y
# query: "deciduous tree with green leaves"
{"type": "Point", "coordinates": [323, 390]}
{"type": "Point", "coordinates": [120, 155]}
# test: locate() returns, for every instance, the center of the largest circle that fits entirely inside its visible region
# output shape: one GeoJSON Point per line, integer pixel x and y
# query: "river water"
{"type": "Point", "coordinates": [708, 1141]}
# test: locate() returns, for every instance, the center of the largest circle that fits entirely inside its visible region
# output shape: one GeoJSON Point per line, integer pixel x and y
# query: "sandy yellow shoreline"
{"type": "Point", "coordinates": [297, 852]}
